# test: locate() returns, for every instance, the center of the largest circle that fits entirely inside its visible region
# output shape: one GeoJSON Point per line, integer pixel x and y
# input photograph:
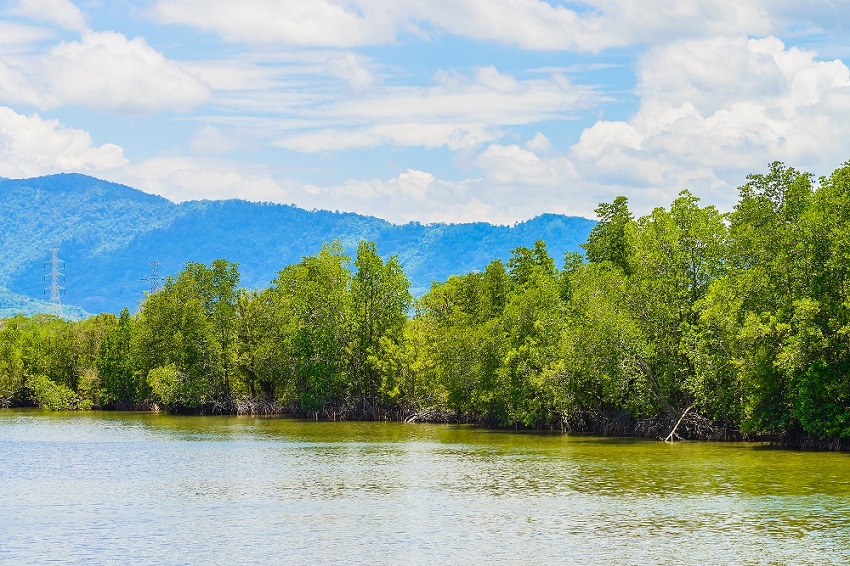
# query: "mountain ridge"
{"type": "Point", "coordinates": [107, 233]}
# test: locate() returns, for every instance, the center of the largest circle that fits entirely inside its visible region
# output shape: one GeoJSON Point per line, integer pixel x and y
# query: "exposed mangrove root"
{"type": "Point", "coordinates": [259, 407]}
{"type": "Point", "coordinates": [434, 416]}
{"type": "Point", "coordinates": [799, 440]}
{"type": "Point", "coordinates": [688, 426]}
{"type": "Point", "coordinates": [135, 406]}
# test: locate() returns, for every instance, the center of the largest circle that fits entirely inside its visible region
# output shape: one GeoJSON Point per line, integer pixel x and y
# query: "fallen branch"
{"type": "Point", "coordinates": [673, 432]}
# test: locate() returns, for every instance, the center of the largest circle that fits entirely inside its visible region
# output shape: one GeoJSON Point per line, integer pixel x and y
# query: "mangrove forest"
{"type": "Point", "coordinates": [684, 323]}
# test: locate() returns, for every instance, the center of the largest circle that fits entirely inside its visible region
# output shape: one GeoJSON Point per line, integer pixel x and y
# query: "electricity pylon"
{"type": "Point", "coordinates": [154, 278]}
{"type": "Point", "coordinates": [55, 288]}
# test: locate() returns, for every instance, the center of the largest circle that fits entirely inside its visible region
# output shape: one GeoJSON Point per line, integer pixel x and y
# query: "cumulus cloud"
{"type": "Point", "coordinates": [711, 111]}
{"type": "Point", "coordinates": [179, 178]}
{"type": "Point", "coordinates": [714, 110]}
{"type": "Point", "coordinates": [62, 13]}
{"type": "Point", "coordinates": [32, 146]}
{"type": "Point", "coordinates": [416, 195]}
{"type": "Point", "coordinates": [103, 70]}
{"type": "Point", "coordinates": [410, 196]}
{"type": "Point", "coordinates": [413, 195]}
{"type": "Point", "coordinates": [522, 166]}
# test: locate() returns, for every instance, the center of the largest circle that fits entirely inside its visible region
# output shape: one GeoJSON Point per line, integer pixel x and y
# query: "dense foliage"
{"type": "Point", "coordinates": [743, 318]}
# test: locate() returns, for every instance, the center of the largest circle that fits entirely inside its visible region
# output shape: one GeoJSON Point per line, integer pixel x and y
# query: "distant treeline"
{"type": "Point", "coordinates": [725, 324]}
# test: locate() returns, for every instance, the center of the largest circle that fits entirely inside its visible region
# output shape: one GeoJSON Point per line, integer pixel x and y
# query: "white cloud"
{"type": "Point", "coordinates": [817, 18]}
{"type": "Point", "coordinates": [237, 74]}
{"type": "Point", "coordinates": [457, 112]}
{"type": "Point", "coordinates": [32, 146]}
{"type": "Point", "coordinates": [591, 25]}
{"type": "Point", "coordinates": [62, 13]}
{"type": "Point", "coordinates": [714, 110]}
{"type": "Point", "coordinates": [420, 196]}
{"type": "Point", "coordinates": [280, 82]}
{"type": "Point", "coordinates": [410, 196]}
{"type": "Point", "coordinates": [402, 134]}
{"type": "Point", "coordinates": [103, 70]}
{"type": "Point", "coordinates": [181, 178]}
{"type": "Point", "coordinates": [711, 111]}
{"type": "Point", "coordinates": [310, 23]}
{"type": "Point", "coordinates": [16, 39]}
{"type": "Point", "coordinates": [648, 22]}
{"type": "Point", "coordinates": [16, 87]}
{"type": "Point", "coordinates": [514, 166]}
{"type": "Point", "coordinates": [351, 69]}
{"type": "Point", "coordinates": [211, 140]}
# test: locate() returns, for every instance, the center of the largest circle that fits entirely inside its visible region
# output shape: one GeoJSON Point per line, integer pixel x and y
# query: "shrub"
{"type": "Point", "coordinates": [52, 396]}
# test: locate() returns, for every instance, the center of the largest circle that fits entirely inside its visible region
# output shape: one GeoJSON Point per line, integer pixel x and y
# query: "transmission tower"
{"type": "Point", "coordinates": [154, 278]}
{"type": "Point", "coordinates": [55, 289]}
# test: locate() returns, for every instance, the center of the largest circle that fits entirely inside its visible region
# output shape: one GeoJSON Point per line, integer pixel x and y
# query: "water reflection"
{"type": "Point", "coordinates": [104, 486]}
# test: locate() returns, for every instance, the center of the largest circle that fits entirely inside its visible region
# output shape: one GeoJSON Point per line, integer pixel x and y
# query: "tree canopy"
{"type": "Point", "coordinates": [739, 320]}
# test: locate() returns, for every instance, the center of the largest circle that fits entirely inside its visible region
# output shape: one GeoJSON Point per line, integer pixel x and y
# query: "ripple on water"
{"type": "Point", "coordinates": [103, 488]}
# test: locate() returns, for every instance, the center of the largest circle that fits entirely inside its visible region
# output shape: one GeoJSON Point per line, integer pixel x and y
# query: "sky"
{"type": "Point", "coordinates": [425, 110]}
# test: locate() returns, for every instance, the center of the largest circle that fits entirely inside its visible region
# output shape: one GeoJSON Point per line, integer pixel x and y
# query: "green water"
{"type": "Point", "coordinates": [147, 488]}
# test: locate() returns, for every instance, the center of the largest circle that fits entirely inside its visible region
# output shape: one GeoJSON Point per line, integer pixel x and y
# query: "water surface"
{"type": "Point", "coordinates": [149, 488]}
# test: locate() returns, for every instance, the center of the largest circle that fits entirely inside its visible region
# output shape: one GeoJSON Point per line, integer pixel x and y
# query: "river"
{"type": "Point", "coordinates": [148, 488]}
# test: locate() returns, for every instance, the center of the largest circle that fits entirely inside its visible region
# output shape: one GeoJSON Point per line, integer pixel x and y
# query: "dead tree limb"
{"type": "Point", "coordinates": [673, 432]}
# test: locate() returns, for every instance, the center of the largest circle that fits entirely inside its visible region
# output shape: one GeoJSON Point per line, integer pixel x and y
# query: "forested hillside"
{"type": "Point", "coordinates": [683, 323]}
{"type": "Point", "coordinates": [107, 234]}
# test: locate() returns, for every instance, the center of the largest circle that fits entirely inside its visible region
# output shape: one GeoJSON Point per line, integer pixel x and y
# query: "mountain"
{"type": "Point", "coordinates": [108, 233]}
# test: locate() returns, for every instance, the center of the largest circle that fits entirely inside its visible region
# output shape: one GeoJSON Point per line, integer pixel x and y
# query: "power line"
{"type": "Point", "coordinates": [154, 277]}
{"type": "Point", "coordinates": [55, 289]}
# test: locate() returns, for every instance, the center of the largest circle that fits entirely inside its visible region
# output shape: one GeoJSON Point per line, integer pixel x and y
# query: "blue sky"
{"type": "Point", "coordinates": [460, 110]}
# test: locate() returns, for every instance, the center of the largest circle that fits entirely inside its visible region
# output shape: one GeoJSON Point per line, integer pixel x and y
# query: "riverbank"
{"type": "Point", "coordinates": [690, 426]}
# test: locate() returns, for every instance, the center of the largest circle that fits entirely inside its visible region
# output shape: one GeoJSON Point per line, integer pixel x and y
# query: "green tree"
{"type": "Point", "coordinates": [191, 324]}
{"type": "Point", "coordinates": [607, 241]}
{"type": "Point", "coordinates": [314, 299]}
{"type": "Point", "coordinates": [815, 356]}
{"type": "Point", "coordinates": [380, 300]}
{"type": "Point", "coordinates": [258, 338]}
{"type": "Point", "coordinates": [607, 357]}
{"type": "Point", "coordinates": [531, 328]}
{"type": "Point", "coordinates": [115, 365]}
{"type": "Point", "coordinates": [462, 347]}
{"type": "Point", "coordinates": [772, 268]}
{"type": "Point", "coordinates": [525, 261]}
{"type": "Point", "coordinates": [12, 372]}
{"type": "Point", "coordinates": [676, 255]}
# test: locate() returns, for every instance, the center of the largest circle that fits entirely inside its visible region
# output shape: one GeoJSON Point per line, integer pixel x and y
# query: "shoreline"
{"type": "Point", "coordinates": [694, 429]}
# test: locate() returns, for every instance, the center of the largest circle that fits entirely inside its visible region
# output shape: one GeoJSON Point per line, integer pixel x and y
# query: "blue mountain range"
{"type": "Point", "coordinates": [108, 235]}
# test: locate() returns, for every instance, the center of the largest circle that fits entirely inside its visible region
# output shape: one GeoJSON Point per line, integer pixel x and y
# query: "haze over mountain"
{"type": "Point", "coordinates": [108, 233]}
